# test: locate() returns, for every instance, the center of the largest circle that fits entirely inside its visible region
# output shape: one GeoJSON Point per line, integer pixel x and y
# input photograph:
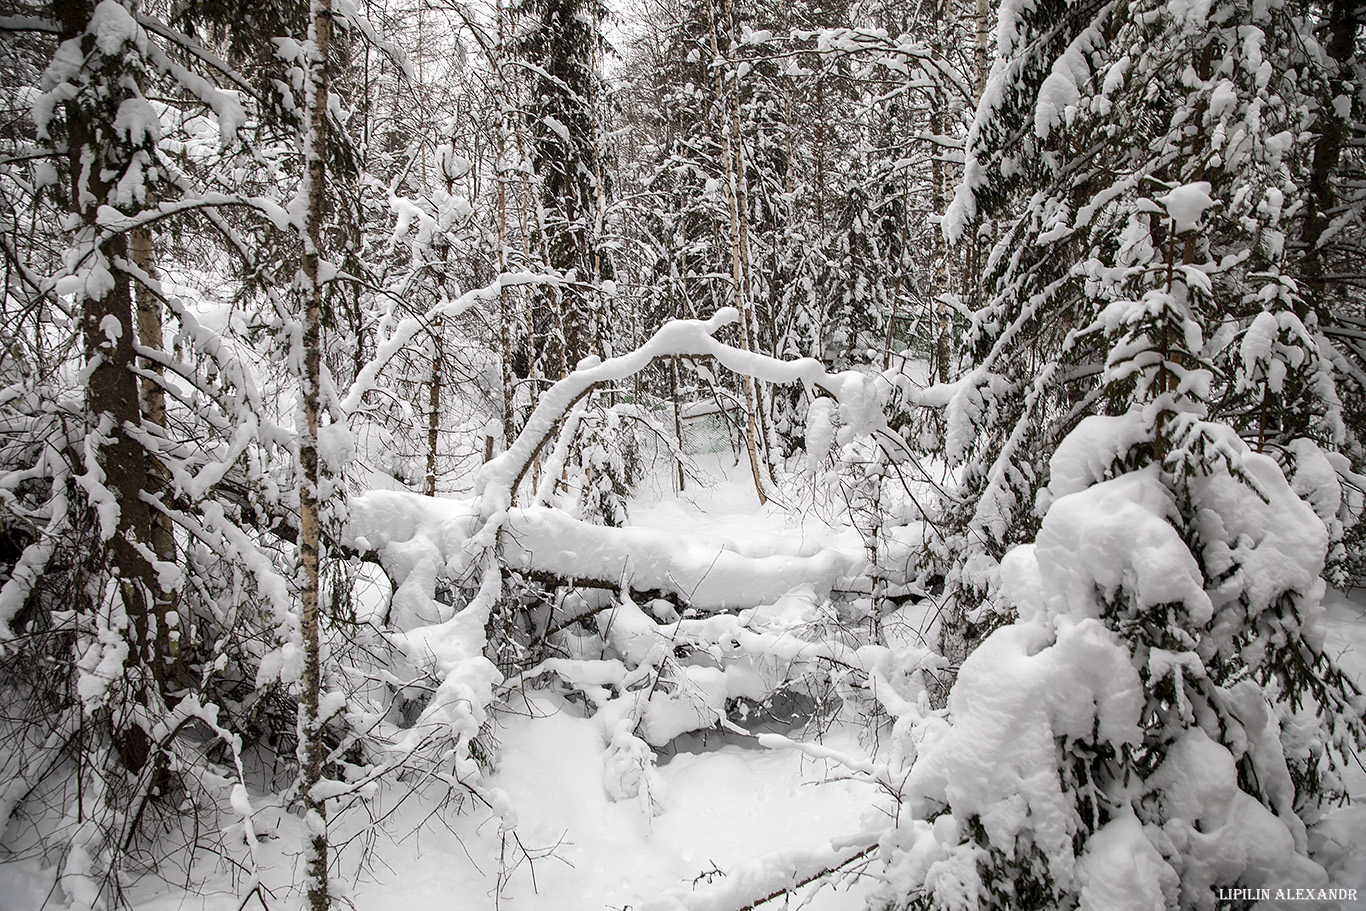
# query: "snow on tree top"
{"type": "Point", "coordinates": [1186, 204]}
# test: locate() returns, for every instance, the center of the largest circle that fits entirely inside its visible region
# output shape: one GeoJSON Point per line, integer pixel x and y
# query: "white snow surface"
{"type": "Point", "coordinates": [1122, 871]}
{"type": "Point", "coordinates": [1340, 841]}
{"type": "Point", "coordinates": [744, 817]}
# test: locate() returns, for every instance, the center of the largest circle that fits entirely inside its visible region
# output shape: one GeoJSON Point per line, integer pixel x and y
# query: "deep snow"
{"type": "Point", "coordinates": [733, 808]}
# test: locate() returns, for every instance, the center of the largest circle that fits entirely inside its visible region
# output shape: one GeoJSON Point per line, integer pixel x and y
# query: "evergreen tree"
{"type": "Point", "coordinates": [561, 45]}
{"type": "Point", "coordinates": [1177, 725]}
{"type": "Point", "coordinates": [105, 131]}
{"type": "Point", "coordinates": [1104, 108]}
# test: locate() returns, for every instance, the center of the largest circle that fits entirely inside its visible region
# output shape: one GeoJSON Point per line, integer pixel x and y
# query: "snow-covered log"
{"type": "Point", "coordinates": [448, 538]}
{"type": "Point", "coordinates": [411, 533]}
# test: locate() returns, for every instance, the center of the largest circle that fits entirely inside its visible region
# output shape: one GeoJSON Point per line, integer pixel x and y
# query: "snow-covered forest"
{"type": "Point", "coordinates": [682, 454]}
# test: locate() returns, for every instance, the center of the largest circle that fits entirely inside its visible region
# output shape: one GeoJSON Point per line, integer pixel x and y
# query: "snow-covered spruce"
{"type": "Point", "coordinates": [1161, 720]}
{"type": "Point", "coordinates": [1103, 136]}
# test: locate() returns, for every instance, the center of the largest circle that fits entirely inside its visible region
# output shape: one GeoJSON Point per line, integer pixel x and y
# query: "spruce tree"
{"type": "Point", "coordinates": [1176, 726]}
{"type": "Point", "coordinates": [1088, 115]}
{"type": "Point", "coordinates": [1144, 438]}
{"type": "Point", "coordinates": [560, 45]}
{"type": "Point", "coordinates": [106, 132]}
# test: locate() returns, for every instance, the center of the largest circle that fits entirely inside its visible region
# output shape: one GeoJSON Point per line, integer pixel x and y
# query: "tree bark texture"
{"type": "Point", "coordinates": [310, 725]}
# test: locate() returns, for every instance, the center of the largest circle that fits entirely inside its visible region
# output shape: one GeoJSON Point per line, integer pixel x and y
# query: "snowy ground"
{"type": "Point", "coordinates": [721, 503]}
{"type": "Point", "coordinates": [726, 807]}
{"type": "Point", "coordinates": [728, 804]}
{"type": "Point", "coordinates": [1344, 624]}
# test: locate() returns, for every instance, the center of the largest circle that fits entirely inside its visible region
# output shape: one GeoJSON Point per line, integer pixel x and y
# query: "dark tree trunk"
{"type": "Point", "coordinates": [112, 394]}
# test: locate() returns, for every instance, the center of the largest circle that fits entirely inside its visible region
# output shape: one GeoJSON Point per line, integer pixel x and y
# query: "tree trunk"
{"type": "Point", "coordinates": [112, 401]}
{"type": "Point", "coordinates": [980, 65]}
{"type": "Point", "coordinates": [166, 641]}
{"type": "Point", "coordinates": [1343, 22]}
{"type": "Point", "coordinates": [749, 316]}
{"type": "Point", "coordinates": [433, 410]}
{"type": "Point", "coordinates": [505, 113]}
{"type": "Point", "coordinates": [678, 418]}
{"type": "Point", "coordinates": [310, 725]}
{"type": "Point", "coordinates": [937, 203]}
{"type": "Point", "coordinates": [729, 137]}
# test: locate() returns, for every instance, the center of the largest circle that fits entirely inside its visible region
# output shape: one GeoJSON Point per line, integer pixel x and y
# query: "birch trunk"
{"type": "Point", "coordinates": [310, 724]}
{"type": "Point", "coordinates": [729, 136]}
{"type": "Point", "coordinates": [433, 410]}
{"type": "Point", "coordinates": [504, 297]}
{"type": "Point", "coordinates": [937, 203]}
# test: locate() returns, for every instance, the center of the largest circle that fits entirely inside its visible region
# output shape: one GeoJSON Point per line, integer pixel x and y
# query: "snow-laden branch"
{"type": "Point", "coordinates": [407, 328]}
{"type": "Point", "coordinates": [702, 573]}
{"type": "Point", "coordinates": [29, 24]}
{"type": "Point", "coordinates": [32, 563]}
{"type": "Point", "coordinates": [418, 538]}
{"type": "Point", "coordinates": [198, 51]}
{"type": "Point", "coordinates": [500, 477]}
{"type": "Point", "coordinates": [774, 875]}
{"type": "Point", "coordinates": [114, 221]}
